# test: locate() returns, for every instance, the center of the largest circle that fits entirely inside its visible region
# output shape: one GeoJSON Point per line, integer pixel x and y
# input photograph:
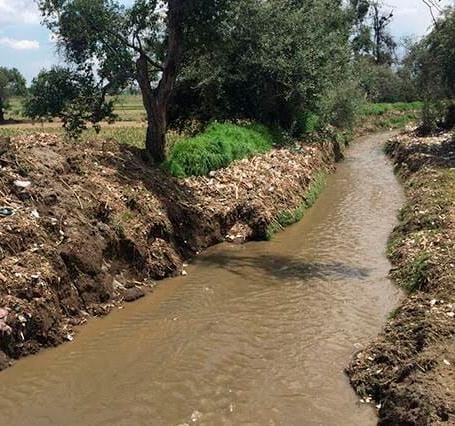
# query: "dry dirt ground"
{"type": "Point", "coordinates": [85, 226]}
{"type": "Point", "coordinates": [409, 370]}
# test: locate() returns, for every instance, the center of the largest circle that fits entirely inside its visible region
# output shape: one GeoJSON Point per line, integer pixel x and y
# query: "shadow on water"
{"type": "Point", "coordinates": [283, 267]}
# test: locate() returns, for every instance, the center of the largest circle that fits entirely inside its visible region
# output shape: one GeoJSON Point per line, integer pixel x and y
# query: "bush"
{"type": "Point", "coordinates": [216, 147]}
{"type": "Point", "coordinates": [433, 117]}
{"type": "Point", "coordinates": [383, 108]}
{"type": "Point", "coordinates": [343, 105]}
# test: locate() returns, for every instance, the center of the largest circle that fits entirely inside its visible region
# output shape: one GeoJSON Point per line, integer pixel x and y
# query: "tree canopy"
{"type": "Point", "coordinates": [72, 96]}
{"type": "Point", "coordinates": [274, 62]}
{"type": "Point", "coordinates": [291, 64]}
{"type": "Point", "coordinates": [143, 42]}
{"type": "Point", "coordinates": [12, 83]}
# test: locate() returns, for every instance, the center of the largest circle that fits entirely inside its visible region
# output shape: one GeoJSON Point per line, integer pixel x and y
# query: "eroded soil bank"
{"type": "Point", "coordinates": [92, 225]}
{"type": "Point", "coordinates": [410, 368]}
{"type": "Point", "coordinates": [254, 334]}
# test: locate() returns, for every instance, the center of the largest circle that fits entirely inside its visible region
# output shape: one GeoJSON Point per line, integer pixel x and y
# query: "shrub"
{"type": "Point", "coordinates": [216, 147]}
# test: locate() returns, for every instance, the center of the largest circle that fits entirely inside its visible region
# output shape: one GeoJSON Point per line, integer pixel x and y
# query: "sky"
{"type": "Point", "coordinates": [28, 45]}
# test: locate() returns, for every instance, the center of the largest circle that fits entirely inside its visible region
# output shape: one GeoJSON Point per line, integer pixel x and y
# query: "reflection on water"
{"type": "Point", "coordinates": [255, 335]}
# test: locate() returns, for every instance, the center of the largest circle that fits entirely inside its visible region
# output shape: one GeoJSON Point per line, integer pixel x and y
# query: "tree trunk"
{"type": "Point", "coordinates": [156, 100]}
{"type": "Point", "coordinates": [2, 114]}
{"type": "Point", "coordinates": [155, 143]}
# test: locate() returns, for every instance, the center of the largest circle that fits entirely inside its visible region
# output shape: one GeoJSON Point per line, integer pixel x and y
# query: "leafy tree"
{"type": "Point", "coordinates": [144, 42]}
{"type": "Point", "coordinates": [371, 36]}
{"type": "Point", "coordinates": [74, 97]}
{"type": "Point", "coordinates": [431, 63]}
{"type": "Point", "coordinates": [12, 83]}
{"type": "Point", "coordinates": [274, 62]}
{"type": "Point", "coordinates": [384, 44]}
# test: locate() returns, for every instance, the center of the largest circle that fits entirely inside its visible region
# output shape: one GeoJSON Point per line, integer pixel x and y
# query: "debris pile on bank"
{"type": "Point", "coordinates": [84, 226]}
{"type": "Point", "coordinates": [410, 368]}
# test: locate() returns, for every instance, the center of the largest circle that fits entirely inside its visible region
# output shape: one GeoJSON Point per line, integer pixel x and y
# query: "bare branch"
{"type": "Point", "coordinates": [432, 4]}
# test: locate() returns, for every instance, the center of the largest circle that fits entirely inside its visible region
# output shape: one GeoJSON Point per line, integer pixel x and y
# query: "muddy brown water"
{"type": "Point", "coordinates": [257, 334]}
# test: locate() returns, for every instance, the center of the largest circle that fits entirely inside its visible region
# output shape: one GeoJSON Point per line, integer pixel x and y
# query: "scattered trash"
{"type": "Point", "coordinates": [23, 184]}
{"type": "Point", "coordinates": [446, 362]}
{"type": "Point", "coordinates": [184, 273]}
{"type": "Point", "coordinates": [35, 214]}
{"type": "Point", "coordinates": [6, 211]}
{"type": "Point", "coordinates": [196, 416]}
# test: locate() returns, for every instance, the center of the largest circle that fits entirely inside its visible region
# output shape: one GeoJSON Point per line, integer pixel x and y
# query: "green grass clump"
{"type": "Point", "coordinates": [414, 275]}
{"type": "Point", "coordinates": [216, 147]}
{"type": "Point", "coordinates": [382, 108]}
{"type": "Point", "coordinates": [289, 217]}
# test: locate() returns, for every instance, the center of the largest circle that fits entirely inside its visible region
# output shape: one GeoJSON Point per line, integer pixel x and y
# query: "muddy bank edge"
{"type": "Point", "coordinates": [88, 226]}
{"type": "Point", "coordinates": [409, 370]}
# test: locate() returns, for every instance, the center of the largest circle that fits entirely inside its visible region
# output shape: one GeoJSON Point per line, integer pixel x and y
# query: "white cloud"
{"type": "Point", "coordinates": [18, 12]}
{"type": "Point", "coordinates": [19, 44]}
{"type": "Point", "coordinates": [412, 17]}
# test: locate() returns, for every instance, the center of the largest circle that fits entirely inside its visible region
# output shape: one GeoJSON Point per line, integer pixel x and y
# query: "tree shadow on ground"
{"type": "Point", "coordinates": [193, 227]}
{"type": "Point", "coordinates": [283, 267]}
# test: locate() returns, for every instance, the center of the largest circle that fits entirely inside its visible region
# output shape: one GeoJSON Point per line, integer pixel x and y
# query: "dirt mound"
{"type": "Point", "coordinates": [410, 368]}
{"type": "Point", "coordinates": [84, 226]}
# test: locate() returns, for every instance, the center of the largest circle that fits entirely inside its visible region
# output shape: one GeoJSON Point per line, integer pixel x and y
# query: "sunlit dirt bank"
{"type": "Point", "coordinates": [410, 368]}
{"type": "Point", "coordinates": [85, 226]}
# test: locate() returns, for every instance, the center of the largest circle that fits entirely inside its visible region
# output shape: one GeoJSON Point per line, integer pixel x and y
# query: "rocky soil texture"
{"type": "Point", "coordinates": [85, 226]}
{"type": "Point", "coordinates": [409, 370]}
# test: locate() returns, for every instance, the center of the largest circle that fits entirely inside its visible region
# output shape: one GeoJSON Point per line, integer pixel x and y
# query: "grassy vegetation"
{"type": "Point", "coordinates": [390, 115]}
{"type": "Point", "coordinates": [130, 108]}
{"type": "Point", "coordinates": [216, 147]}
{"type": "Point", "coordinates": [127, 108]}
{"type": "Point", "coordinates": [382, 108]}
{"type": "Point", "coordinates": [15, 109]}
{"type": "Point", "coordinates": [414, 275]}
{"type": "Point", "coordinates": [289, 217]}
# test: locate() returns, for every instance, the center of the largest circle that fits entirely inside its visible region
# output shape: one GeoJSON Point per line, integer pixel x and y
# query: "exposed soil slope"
{"type": "Point", "coordinates": [410, 368]}
{"type": "Point", "coordinates": [93, 225]}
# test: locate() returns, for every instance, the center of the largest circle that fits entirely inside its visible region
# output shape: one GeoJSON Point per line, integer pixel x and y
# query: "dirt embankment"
{"type": "Point", "coordinates": [409, 370]}
{"type": "Point", "coordinates": [85, 226]}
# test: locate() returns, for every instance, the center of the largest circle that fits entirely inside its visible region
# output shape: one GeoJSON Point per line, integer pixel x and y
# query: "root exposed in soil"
{"type": "Point", "coordinates": [92, 226]}
{"type": "Point", "coordinates": [409, 370]}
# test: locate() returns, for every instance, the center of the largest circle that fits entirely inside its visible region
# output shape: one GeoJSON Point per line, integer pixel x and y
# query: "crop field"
{"type": "Point", "coordinates": [127, 108]}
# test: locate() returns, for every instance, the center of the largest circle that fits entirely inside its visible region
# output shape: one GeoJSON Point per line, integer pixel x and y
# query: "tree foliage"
{"type": "Point", "coordinates": [143, 42]}
{"type": "Point", "coordinates": [74, 97]}
{"type": "Point", "coordinates": [371, 36]}
{"type": "Point", "coordinates": [12, 83]}
{"type": "Point", "coordinates": [274, 62]}
{"type": "Point", "coordinates": [431, 65]}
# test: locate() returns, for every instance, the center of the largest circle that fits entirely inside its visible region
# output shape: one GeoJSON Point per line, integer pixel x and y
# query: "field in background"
{"type": "Point", "coordinates": [127, 108]}
{"type": "Point", "coordinates": [131, 125]}
{"type": "Point", "coordinates": [129, 129]}
{"type": "Point", "coordinates": [130, 108]}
